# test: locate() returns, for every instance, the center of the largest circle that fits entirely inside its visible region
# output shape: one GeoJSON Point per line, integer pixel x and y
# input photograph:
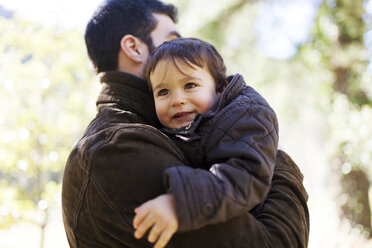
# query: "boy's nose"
{"type": "Point", "coordinates": [178, 98]}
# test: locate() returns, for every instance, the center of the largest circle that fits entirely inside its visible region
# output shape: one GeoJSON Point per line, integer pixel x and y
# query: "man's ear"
{"type": "Point", "coordinates": [135, 49]}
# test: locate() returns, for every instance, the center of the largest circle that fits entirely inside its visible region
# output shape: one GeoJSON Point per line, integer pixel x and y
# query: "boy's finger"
{"type": "Point", "coordinates": [154, 233]}
{"type": "Point", "coordinates": [138, 218]}
{"type": "Point", "coordinates": [143, 226]}
{"type": "Point", "coordinates": [163, 239]}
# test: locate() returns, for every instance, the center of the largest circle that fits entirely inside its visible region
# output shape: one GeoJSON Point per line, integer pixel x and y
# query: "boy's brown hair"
{"type": "Point", "coordinates": [191, 52]}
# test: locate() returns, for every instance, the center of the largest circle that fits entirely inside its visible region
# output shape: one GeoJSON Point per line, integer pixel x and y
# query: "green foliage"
{"type": "Point", "coordinates": [338, 42]}
{"type": "Point", "coordinates": [352, 131]}
{"type": "Point", "coordinates": [47, 94]}
{"type": "Point", "coordinates": [338, 36]}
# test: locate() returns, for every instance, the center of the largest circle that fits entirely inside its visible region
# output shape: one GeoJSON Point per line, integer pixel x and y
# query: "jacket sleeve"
{"type": "Point", "coordinates": [241, 149]}
{"type": "Point", "coordinates": [281, 221]}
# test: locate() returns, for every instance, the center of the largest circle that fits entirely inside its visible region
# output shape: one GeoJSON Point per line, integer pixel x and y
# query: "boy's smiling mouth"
{"type": "Point", "coordinates": [184, 116]}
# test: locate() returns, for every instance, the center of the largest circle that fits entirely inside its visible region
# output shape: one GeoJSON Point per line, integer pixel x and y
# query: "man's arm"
{"type": "Point", "coordinates": [121, 178]}
{"type": "Point", "coordinates": [285, 213]}
{"type": "Point", "coordinates": [281, 221]}
{"type": "Point", "coordinates": [108, 175]}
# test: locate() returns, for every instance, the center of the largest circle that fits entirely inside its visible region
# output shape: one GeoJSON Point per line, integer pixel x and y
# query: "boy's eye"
{"type": "Point", "coordinates": [163, 92]}
{"type": "Point", "coordinates": [190, 85]}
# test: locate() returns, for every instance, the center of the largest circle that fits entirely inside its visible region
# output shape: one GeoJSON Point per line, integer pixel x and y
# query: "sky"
{"type": "Point", "coordinates": [292, 28]}
{"type": "Point", "coordinates": [66, 13]}
{"type": "Point", "coordinates": [286, 22]}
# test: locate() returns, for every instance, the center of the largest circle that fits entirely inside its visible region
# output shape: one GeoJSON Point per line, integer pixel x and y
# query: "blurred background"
{"type": "Point", "coordinates": [311, 59]}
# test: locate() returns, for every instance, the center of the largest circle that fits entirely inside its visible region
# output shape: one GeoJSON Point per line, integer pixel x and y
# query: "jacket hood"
{"type": "Point", "coordinates": [235, 86]}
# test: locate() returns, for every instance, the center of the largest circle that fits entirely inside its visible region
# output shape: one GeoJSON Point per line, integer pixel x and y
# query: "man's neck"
{"type": "Point", "coordinates": [128, 66]}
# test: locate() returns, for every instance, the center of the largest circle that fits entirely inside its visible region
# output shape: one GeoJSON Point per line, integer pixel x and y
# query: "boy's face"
{"type": "Point", "coordinates": [181, 93]}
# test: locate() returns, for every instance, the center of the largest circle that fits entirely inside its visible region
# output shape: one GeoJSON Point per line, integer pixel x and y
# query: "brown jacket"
{"type": "Point", "coordinates": [119, 164]}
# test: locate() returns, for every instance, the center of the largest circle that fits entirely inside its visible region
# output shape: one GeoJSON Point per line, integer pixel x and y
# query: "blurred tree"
{"type": "Point", "coordinates": [332, 65]}
{"type": "Point", "coordinates": [47, 95]}
{"type": "Point", "coordinates": [338, 40]}
{"type": "Point", "coordinates": [215, 30]}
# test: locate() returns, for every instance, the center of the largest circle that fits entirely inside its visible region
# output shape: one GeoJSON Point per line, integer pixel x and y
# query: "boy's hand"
{"type": "Point", "coordinates": [158, 214]}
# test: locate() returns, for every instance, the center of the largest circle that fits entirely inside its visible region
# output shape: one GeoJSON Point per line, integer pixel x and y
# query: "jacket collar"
{"type": "Point", "coordinates": [235, 86]}
{"type": "Point", "coordinates": [128, 93]}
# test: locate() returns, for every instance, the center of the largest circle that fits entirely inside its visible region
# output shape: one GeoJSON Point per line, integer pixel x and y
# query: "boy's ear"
{"type": "Point", "coordinates": [134, 48]}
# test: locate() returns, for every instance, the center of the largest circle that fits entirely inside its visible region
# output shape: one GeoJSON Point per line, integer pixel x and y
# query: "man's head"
{"type": "Point", "coordinates": [121, 33]}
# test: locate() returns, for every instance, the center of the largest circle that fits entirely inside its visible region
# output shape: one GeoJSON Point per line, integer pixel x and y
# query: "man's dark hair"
{"type": "Point", "coordinates": [116, 18]}
{"type": "Point", "coordinates": [191, 52]}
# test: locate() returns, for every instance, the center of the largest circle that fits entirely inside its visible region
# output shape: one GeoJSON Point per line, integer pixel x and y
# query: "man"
{"type": "Point", "coordinates": [119, 162]}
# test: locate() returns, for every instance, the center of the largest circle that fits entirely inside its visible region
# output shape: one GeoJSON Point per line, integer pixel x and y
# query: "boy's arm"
{"type": "Point", "coordinates": [158, 215]}
{"type": "Point", "coordinates": [242, 148]}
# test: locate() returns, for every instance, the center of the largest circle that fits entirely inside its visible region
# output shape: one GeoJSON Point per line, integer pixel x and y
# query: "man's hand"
{"type": "Point", "coordinates": [158, 214]}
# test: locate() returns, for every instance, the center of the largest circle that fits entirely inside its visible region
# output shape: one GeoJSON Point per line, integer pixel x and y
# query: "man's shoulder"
{"type": "Point", "coordinates": [112, 126]}
{"type": "Point", "coordinates": [286, 166]}
{"type": "Point", "coordinates": [119, 129]}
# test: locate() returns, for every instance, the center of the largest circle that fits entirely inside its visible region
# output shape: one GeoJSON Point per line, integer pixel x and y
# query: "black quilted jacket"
{"type": "Point", "coordinates": [235, 146]}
